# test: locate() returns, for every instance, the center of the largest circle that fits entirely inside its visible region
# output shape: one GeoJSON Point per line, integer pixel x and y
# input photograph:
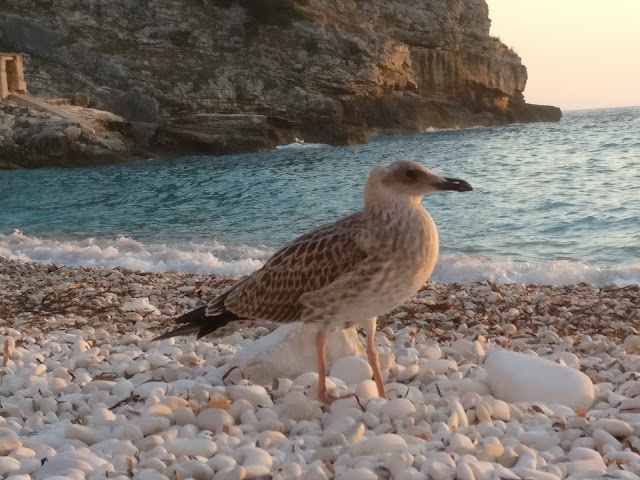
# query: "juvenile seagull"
{"type": "Point", "coordinates": [345, 273]}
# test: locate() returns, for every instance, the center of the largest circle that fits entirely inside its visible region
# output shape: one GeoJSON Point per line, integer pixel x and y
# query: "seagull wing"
{"type": "Point", "coordinates": [307, 265]}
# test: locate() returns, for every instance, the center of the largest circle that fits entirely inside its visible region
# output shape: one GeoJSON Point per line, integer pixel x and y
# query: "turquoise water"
{"type": "Point", "coordinates": [553, 203]}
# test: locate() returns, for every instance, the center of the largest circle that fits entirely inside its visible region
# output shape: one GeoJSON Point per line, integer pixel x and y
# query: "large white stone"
{"type": "Point", "coordinates": [380, 444]}
{"type": "Point", "coordinates": [254, 394]}
{"type": "Point", "coordinates": [351, 370]}
{"type": "Point", "coordinates": [290, 350]}
{"type": "Point", "coordinates": [202, 447]}
{"type": "Point", "coordinates": [517, 377]}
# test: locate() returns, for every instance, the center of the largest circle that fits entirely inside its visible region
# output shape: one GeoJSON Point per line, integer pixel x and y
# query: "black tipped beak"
{"type": "Point", "coordinates": [455, 184]}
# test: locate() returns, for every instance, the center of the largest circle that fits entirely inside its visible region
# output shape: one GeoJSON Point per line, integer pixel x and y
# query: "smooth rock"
{"type": "Point", "coordinates": [356, 474]}
{"type": "Point", "coordinates": [201, 447]}
{"type": "Point", "coordinates": [615, 427]}
{"type": "Point", "coordinates": [8, 465]}
{"type": "Point", "coordinates": [214, 420]}
{"type": "Point", "coordinates": [270, 356]}
{"type": "Point", "coordinates": [351, 370]}
{"type": "Point", "coordinates": [254, 394]}
{"type": "Point", "coordinates": [517, 377]}
{"type": "Point", "coordinates": [385, 443]}
{"type": "Point", "coordinates": [367, 389]}
{"type": "Point", "coordinates": [398, 408]}
{"type": "Point", "coordinates": [7, 445]}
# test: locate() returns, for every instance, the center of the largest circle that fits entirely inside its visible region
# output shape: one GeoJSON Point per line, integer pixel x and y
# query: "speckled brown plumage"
{"type": "Point", "coordinates": [344, 273]}
{"type": "Point", "coordinates": [276, 291]}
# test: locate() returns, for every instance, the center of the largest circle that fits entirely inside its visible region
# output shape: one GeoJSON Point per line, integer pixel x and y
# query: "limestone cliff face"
{"type": "Point", "coordinates": [32, 138]}
{"type": "Point", "coordinates": [335, 71]}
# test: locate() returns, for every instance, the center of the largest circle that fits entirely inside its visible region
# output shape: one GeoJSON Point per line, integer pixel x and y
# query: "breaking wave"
{"type": "Point", "coordinates": [216, 258]}
{"type": "Point", "coordinates": [467, 269]}
{"type": "Point", "coordinates": [127, 252]}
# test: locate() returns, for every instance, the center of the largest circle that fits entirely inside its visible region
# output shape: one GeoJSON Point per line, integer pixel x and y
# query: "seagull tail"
{"type": "Point", "coordinates": [198, 322]}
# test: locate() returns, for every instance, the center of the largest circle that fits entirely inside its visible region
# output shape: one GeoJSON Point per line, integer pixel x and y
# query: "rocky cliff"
{"type": "Point", "coordinates": [32, 138]}
{"type": "Point", "coordinates": [191, 74]}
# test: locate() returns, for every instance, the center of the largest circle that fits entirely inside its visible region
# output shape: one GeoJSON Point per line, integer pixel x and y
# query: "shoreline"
{"type": "Point", "coordinates": [37, 134]}
{"type": "Point", "coordinates": [84, 390]}
{"type": "Point", "coordinates": [205, 257]}
{"type": "Point", "coordinates": [34, 292]}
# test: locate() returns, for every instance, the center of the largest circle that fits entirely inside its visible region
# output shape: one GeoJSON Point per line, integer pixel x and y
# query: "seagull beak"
{"type": "Point", "coordinates": [454, 184]}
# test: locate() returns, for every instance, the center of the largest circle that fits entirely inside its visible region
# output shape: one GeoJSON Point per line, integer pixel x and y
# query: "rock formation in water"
{"type": "Point", "coordinates": [35, 138]}
{"type": "Point", "coordinates": [222, 76]}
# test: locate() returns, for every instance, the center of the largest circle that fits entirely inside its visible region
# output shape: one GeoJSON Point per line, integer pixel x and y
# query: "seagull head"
{"type": "Point", "coordinates": [405, 178]}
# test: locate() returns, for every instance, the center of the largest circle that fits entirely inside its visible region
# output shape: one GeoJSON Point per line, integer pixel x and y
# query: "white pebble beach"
{"type": "Point", "coordinates": [485, 381]}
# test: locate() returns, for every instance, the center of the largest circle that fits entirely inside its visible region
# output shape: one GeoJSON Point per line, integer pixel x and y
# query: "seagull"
{"type": "Point", "coordinates": [342, 274]}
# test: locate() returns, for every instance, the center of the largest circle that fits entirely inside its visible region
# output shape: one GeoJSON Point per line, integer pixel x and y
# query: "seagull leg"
{"type": "Point", "coordinates": [321, 347]}
{"type": "Point", "coordinates": [372, 356]}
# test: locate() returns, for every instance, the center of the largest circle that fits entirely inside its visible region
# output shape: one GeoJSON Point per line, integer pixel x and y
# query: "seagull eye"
{"type": "Point", "coordinates": [411, 173]}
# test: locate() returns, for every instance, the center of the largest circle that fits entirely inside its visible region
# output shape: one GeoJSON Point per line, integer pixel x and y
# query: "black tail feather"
{"type": "Point", "coordinates": [198, 321]}
{"type": "Point", "coordinates": [193, 315]}
{"type": "Point", "coordinates": [183, 330]}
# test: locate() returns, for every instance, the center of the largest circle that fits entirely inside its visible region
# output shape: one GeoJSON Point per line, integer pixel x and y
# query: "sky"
{"type": "Point", "coordinates": [579, 53]}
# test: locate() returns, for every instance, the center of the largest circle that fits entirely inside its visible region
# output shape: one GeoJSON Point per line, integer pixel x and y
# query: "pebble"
{"type": "Point", "coordinates": [517, 377]}
{"type": "Point", "coordinates": [492, 447]}
{"type": "Point", "coordinates": [367, 389]}
{"type": "Point", "coordinates": [9, 465]}
{"type": "Point", "coordinates": [85, 434]}
{"type": "Point", "coordinates": [254, 394]}
{"type": "Point", "coordinates": [385, 443]}
{"type": "Point", "coordinates": [351, 370]}
{"type": "Point", "coordinates": [461, 444]}
{"type": "Point", "coordinates": [255, 462]}
{"type": "Point", "coordinates": [398, 408]}
{"type": "Point", "coordinates": [201, 447]}
{"type": "Point", "coordinates": [440, 366]}
{"type": "Point", "coordinates": [95, 402]}
{"type": "Point", "coordinates": [615, 427]}
{"type": "Point", "coordinates": [214, 420]}
{"type": "Point", "coordinates": [356, 474]}
{"type": "Point", "coordinates": [632, 344]}
{"type": "Point", "coordinates": [7, 445]}
{"type": "Point", "coordinates": [150, 425]}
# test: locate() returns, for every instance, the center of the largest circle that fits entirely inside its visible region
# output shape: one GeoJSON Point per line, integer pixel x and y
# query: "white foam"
{"type": "Point", "coordinates": [468, 269]}
{"type": "Point", "coordinates": [452, 129]}
{"type": "Point", "coordinates": [127, 252]}
{"type": "Point", "coordinates": [214, 257]}
{"type": "Point", "coordinates": [301, 144]}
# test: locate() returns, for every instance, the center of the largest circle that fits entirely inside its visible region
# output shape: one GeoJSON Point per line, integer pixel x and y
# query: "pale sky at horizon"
{"type": "Point", "coordinates": [578, 53]}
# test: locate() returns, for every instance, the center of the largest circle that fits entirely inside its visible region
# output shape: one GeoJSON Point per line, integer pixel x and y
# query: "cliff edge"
{"type": "Point", "coordinates": [225, 76]}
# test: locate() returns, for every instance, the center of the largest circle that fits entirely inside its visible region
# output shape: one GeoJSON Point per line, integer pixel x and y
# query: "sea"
{"type": "Point", "coordinates": [553, 203]}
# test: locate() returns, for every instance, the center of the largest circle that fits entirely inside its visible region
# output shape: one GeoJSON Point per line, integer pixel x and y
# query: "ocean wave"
{"type": "Point", "coordinates": [216, 258]}
{"type": "Point", "coordinates": [468, 269]}
{"type": "Point", "coordinates": [455, 128]}
{"type": "Point", "coordinates": [127, 252]}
